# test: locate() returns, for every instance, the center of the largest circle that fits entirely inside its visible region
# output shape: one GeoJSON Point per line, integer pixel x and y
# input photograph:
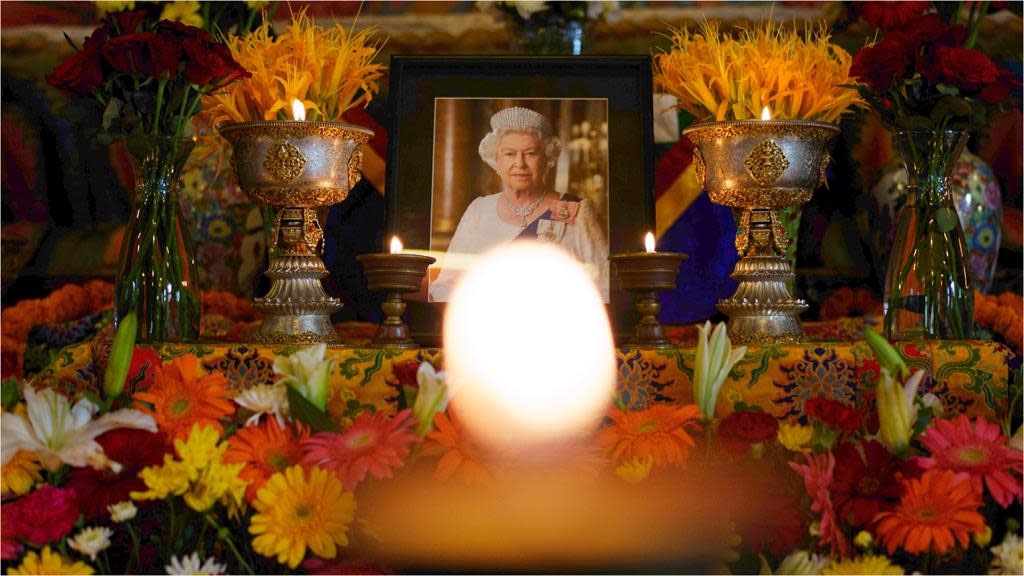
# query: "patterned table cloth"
{"type": "Point", "coordinates": [968, 376]}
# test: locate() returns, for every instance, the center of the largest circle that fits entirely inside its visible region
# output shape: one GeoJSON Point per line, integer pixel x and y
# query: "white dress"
{"type": "Point", "coordinates": [480, 229]}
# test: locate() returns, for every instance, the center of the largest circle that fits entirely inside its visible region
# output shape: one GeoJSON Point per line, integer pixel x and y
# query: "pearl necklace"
{"type": "Point", "coordinates": [523, 212]}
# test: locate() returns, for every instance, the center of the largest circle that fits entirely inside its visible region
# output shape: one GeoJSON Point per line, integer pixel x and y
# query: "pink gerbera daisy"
{"type": "Point", "coordinates": [979, 449]}
{"type": "Point", "coordinates": [374, 443]}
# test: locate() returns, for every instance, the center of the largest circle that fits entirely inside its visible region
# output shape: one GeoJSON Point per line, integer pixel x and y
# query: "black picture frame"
{"type": "Point", "coordinates": [416, 81]}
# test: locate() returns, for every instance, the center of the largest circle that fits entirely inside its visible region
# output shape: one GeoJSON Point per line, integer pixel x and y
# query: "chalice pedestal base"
{"type": "Point", "coordinates": [645, 274]}
{"type": "Point", "coordinates": [296, 309]}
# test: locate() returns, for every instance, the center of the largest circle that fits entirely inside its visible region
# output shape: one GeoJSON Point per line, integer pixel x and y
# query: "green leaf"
{"type": "Point", "coordinates": [945, 219]}
{"type": "Point", "coordinates": [304, 411]}
{"type": "Point", "coordinates": [9, 392]}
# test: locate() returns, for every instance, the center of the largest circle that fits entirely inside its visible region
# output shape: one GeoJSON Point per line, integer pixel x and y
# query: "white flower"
{"type": "Point", "coordinates": [932, 401]}
{"type": "Point", "coordinates": [308, 372]}
{"type": "Point", "coordinates": [91, 541]}
{"type": "Point", "coordinates": [122, 511]}
{"type": "Point", "coordinates": [190, 565]}
{"type": "Point", "coordinates": [1009, 556]}
{"type": "Point", "coordinates": [897, 410]}
{"type": "Point", "coordinates": [431, 397]}
{"type": "Point", "coordinates": [711, 366]}
{"type": "Point", "coordinates": [799, 562]}
{"type": "Point", "coordinates": [265, 399]}
{"type": "Point", "coordinates": [527, 8]}
{"type": "Point", "coordinates": [59, 433]}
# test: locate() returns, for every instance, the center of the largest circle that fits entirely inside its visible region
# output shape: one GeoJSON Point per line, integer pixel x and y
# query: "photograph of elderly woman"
{"type": "Point", "coordinates": [510, 169]}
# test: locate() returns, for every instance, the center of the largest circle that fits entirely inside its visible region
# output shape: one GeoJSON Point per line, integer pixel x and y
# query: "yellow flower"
{"type": "Point", "coordinates": [49, 562]}
{"type": "Point", "coordinates": [294, 512]}
{"type": "Point", "coordinates": [635, 470]}
{"type": "Point", "coordinates": [867, 564]}
{"type": "Point", "coordinates": [186, 12]}
{"type": "Point", "coordinates": [795, 437]}
{"type": "Point", "coordinates": [863, 539]}
{"type": "Point", "coordinates": [200, 475]}
{"type": "Point", "coordinates": [983, 538]}
{"type": "Point", "coordinates": [20, 474]}
{"type": "Point", "coordinates": [104, 7]}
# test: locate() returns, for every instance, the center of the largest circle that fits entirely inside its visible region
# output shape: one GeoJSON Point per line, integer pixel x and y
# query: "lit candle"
{"type": "Point", "coordinates": [396, 245]}
{"type": "Point", "coordinates": [649, 243]}
{"type": "Point", "coordinates": [298, 110]}
{"type": "Point", "coordinates": [766, 114]}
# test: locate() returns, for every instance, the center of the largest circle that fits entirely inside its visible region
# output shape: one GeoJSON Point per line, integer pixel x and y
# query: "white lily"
{"type": "Point", "coordinates": [60, 433]}
{"type": "Point", "coordinates": [265, 399]}
{"type": "Point", "coordinates": [897, 410]}
{"type": "Point", "coordinates": [308, 372]}
{"type": "Point", "coordinates": [711, 366]}
{"type": "Point", "coordinates": [798, 562]}
{"type": "Point", "coordinates": [431, 398]}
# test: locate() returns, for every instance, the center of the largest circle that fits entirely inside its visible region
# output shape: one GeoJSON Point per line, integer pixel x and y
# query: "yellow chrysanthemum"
{"type": "Point", "coordinates": [636, 470]}
{"type": "Point", "coordinates": [795, 437]}
{"type": "Point", "coordinates": [49, 562]}
{"type": "Point", "coordinates": [20, 474]}
{"type": "Point", "coordinates": [199, 475]}
{"type": "Point", "coordinates": [186, 12]}
{"type": "Point", "coordinates": [294, 513]}
{"type": "Point", "coordinates": [867, 564]}
{"type": "Point", "coordinates": [104, 7]}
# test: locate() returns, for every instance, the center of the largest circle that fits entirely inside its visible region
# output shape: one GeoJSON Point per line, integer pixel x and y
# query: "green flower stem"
{"type": "Point", "coordinates": [133, 558]}
{"type": "Point", "coordinates": [159, 105]}
{"type": "Point", "coordinates": [225, 536]}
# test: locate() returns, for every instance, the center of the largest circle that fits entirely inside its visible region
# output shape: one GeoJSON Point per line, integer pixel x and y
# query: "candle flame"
{"type": "Point", "coordinates": [766, 114]}
{"type": "Point", "coordinates": [298, 110]}
{"type": "Point", "coordinates": [649, 242]}
{"type": "Point", "coordinates": [396, 245]}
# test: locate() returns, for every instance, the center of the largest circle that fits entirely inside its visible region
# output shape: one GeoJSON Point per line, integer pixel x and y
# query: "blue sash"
{"type": "Point", "coordinates": [531, 230]}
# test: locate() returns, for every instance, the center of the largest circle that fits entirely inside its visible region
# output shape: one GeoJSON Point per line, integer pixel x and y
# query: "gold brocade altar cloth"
{"type": "Point", "coordinates": [968, 376]}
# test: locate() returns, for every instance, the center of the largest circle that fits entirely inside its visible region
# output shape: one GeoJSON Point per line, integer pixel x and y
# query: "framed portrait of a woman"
{"type": "Point", "coordinates": [485, 151]}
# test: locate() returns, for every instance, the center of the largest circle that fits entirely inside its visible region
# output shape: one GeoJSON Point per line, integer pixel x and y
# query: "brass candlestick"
{"type": "Point", "coordinates": [296, 167]}
{"type": "Point", "coordinates": [645, 274]}
{"type": "Point", "coordinates": [394, 274]}
{"type": "Point", "coordinates": [761, 166]}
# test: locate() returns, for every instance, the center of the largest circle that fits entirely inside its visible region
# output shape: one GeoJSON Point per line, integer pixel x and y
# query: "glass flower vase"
{"type": "Point", "coordinates": [158, 275]}
{"type": "Point", "coordinates": [928, 291]}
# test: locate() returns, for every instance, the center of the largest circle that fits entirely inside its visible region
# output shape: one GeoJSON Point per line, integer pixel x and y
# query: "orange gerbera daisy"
{"type": "Point", "coordinates": [179, 399]}
{"type": "Point", "coordinates": [459, 454]}
{"type": "Point", "coordinates": [937, 510]}
{"type": "Point", "coordinates": [265, 450]}
{"type": "Point", "coordinates": [659, 432]}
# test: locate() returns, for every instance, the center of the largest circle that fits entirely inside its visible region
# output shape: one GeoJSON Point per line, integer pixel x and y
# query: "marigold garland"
{"type": "Point", "coordinates": [1003, 315]}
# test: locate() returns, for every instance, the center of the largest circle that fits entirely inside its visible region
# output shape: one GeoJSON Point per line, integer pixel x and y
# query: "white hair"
{"type": "Point", "coordinates": [519, 119]}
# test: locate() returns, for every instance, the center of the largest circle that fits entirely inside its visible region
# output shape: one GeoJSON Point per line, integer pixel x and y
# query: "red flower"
{"type": "Point", "coordinates": [41, 517]}
{"type": "Point", "coordinates": [143, 52]}
{"type": "Point", "coordinates": [209, 62]}
{"type": "Point", "coordinates": [129, 22]}
{"type": "Point", "coordinates": [998, 91]}
{"type": "Point", "coordinates": [833, 414]}
{"type": "Point", "coordinates": [80, 74]}
{"type": "Point", "coordinates": [405, 373]}
{"type": "Point", "coordinates": [778, 526]}
{"type": "Point", "coordinates": [966, 69]}
{"type": "Point", "coordinates": [865, 482]}
{"type": "Point", "coordinates": [133, 450]}
{"type": "Point", "coordinates": [878, 65]}
{"type": "Point", "coordinates": [739, 430]}
{"type": "Point", "coordinates": [890, 15]}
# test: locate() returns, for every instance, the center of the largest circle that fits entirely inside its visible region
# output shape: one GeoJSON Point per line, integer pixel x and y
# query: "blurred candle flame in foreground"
{"type": "Point", "coordinates": [528, 348]}
{"type": "Point", "coordinates": [766, 114]}
{"type": "Point", "coordinates": [298, 110]}
{"type": "Point", "coordinates": [396, 245]}
{"type": "Point", "coordinates": [649, 242]}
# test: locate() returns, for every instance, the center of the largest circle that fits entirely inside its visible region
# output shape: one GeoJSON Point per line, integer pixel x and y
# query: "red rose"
{"type": "Point", "coordinates": [80, 74]}
{"type": "Point", "coordinates": [878, 65]}
{"type": "Point", "coordinates": [739, 430]}
{"type": "Point", "coordinates": [833, 414]}
{"type": "Point", "coordinates": [965, 69]}
{"type": "Point", "coordinates": [133, 450]}
{"type": "Point", "coordinates": [127, 53]}
{"type": "Point", "coordinates": [165, 55]}
{"type": "Point", "coordinates": [405, 373]}
{"type": "Point", "coordinates": [176, 31]}
{"type": "Point", "coordinates": [931, 30]}
{"type": "Point", "coordinates": [865, 481]}
{"type": "Point", "coordinates": [890, 15]}
{"type": "Point", "coordinates": [210, 62]}
{"type": "Point", "coordinates": [129, 22]}
{"type": "Point", "coordinates": [998, 91]}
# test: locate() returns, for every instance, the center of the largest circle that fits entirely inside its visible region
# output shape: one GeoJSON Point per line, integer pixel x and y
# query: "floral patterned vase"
{"type": "Point", "coordinates": [977, 199]}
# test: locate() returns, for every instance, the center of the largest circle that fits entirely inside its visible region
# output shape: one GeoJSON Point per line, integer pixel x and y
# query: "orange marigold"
{"type": "Point", "coordinates": [659, 432]}
{"type": "Point", "coordinates": [180, 399]}
{"type": "Point", "coordinates": [265, 450]}
{"type": "Point", "coordinates": [937, 511]}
